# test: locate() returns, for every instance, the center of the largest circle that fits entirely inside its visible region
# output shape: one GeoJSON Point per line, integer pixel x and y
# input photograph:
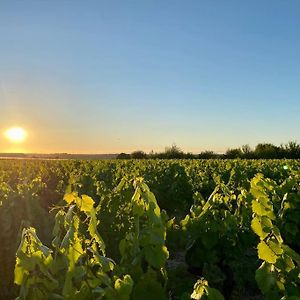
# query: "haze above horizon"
{"type": "Point", "coordinates": [118, 76]}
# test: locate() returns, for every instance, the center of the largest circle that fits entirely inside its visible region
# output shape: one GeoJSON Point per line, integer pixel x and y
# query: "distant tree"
{"type": "Point", "coordinates": [123, 156]}
{"type": "Point", "coordinates": [262, 151]}
{"type": "Point", "coordinates": [234, 153]}
{"type": "Point", "coordinates": [156, 155]}
{"type": "Point", "coordinates": [207, 154]}
{"type": "Point", "coordinates": [151, 154]}
{"type": "Point", "coordinates": [138, 154]}
{"type": "Point", "coordinates": [246, 149]}
{"type": "Point", "coordinates": [292, 150]}
{"type": "Point", "coordinates": [267, 150]}
{"type": "Point", "coordinates": [189, 155]}
{"type": "Point", "coordinates": [173, 152]}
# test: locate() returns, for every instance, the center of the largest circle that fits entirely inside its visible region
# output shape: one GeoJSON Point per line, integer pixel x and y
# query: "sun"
{"type": "Point", "coordinates": [16, 134]}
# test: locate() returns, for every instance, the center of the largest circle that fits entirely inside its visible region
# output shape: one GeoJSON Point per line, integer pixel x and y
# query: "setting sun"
{"type": "Point", "coordinates": [16, 134]}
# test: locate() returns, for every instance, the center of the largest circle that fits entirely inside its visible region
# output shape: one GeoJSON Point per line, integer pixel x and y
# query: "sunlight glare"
{"type": "Point", "coordinates": [16, 134]}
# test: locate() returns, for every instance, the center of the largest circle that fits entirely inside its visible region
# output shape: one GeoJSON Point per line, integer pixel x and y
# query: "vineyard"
{"type": "Point", "coordinates": [150, 229]}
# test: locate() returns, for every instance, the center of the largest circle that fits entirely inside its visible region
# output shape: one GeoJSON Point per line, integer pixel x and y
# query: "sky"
{"type": "Point", "coordinates": [118, 76]}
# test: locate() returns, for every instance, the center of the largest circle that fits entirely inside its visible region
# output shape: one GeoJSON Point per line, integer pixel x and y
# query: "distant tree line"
{"type": "Point", "coordinates": [261, 151]}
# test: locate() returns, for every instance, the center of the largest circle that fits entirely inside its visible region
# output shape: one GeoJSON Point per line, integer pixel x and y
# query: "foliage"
{"type": "Point", "coordinates": [139, 229]}
{"type": "Point", "coordinates": [138, 154]}
{"type": "Point", "coordinates": [278, 277]}
{"type": "Point", "coordinates": [291, 150]}
{"type": "Point", "coordinates": [76, 266]}
{"type": "Point", "coordinates": [203, 291]}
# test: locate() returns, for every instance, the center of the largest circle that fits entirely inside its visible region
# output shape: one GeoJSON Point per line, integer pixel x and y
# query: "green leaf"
{"type": "Point", "coordinates": [156, 256]}
{"type": "Point", "coordinates": [138, 205]}
{"type": "Point", "coordinates": [20, 274]}
{"type": "Point", "coordinates": [123, 288]}
{"type": "Point", "coordinates": [263, 208]}
{"type": "Point", "coordinates": [265, 253]}
{"type": "Point", "coordinates": [275, 247]}
{"type": "Point", "coordinates": [200, 289]}
{"type": "Point", "coordinates": [214, 294]}
{"type": "Point", "coordinates": [148, 289]}
{"type": "Point", "coordinates": [258, 228]}
{"type": "Point", "coordinates": [264, 278]}
{"type": "Point", "coordinates": [85, 203]}
{"type": "Point", "coordinates": [291, 253]}
{"type": "Point", "coordinates": [71, 197]}
{"type": "Point", "coordinates": [92, 228]}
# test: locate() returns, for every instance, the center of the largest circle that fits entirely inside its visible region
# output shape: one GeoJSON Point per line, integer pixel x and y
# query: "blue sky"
{"type": "Point", "coordinates": [110, 76]}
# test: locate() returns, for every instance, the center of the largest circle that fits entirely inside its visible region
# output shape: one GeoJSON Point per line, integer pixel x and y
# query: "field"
{"type": "Point", "coordinates": [150, 229]}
